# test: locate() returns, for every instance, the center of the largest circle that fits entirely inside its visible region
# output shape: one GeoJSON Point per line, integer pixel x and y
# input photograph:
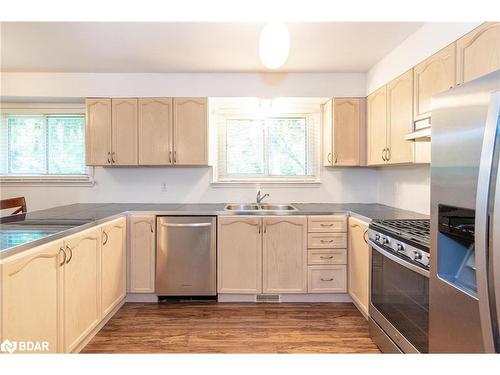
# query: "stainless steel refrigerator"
{"type": "Point", "coordinates": [465, 219]}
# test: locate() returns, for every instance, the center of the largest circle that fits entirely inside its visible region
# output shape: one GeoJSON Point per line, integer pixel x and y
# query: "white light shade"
{"type": "Point", "coordinates": [274, 45]}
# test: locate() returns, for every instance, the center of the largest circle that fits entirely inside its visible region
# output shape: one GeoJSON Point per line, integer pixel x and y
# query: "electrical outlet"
{"type": "Point", "coordinates": [164, 186]}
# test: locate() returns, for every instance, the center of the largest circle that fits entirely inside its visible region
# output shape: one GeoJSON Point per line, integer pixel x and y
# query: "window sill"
{"type": "Point", "coordinates": [248, 184]}
{"type": "Point", "coordinates": [47, 181]}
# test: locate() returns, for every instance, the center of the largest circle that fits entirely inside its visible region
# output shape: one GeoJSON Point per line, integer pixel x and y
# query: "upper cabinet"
{"type": "Point", "coordinates": [155, 131]}
{"type": "Point", "coordinates": [190, 131]}
{"type": "Point", "coordinates": [147, 131]}
{"type": "Point", "coordinates": [344, 132]}
{"type": "Point", "coordinates": [376, 116]}
{"type": "Point", "coordinates": [432, 76]}
{"type": "Point", "coordinates": [478, 52]}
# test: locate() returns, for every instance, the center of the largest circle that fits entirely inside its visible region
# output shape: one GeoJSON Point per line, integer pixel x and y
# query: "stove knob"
{"type": "Point", "coordinates": [417, 255]}
{"type": "Point", "coordinates": [377, 237]}
{"type": "Point", "coordinates": [385, 240]}
{"type": "Point", "coordinates": [400, 247]}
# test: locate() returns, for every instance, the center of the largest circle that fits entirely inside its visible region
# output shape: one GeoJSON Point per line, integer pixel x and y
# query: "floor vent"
{"type": "Point", "coordinates": [268, 298]}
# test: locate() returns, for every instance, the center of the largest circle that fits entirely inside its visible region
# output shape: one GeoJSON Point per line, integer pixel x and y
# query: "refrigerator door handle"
{"type": "Point", "coordinates": [481, 241]}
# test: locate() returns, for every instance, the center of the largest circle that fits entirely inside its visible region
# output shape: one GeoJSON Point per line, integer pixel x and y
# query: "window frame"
{"type": "Point", "coordinates": [44, 109]}
{"type": "Point", "coordinates": [313, 129]}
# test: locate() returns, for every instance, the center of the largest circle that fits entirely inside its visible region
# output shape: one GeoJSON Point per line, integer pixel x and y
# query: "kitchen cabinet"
{"type": "Point", "coordinates": [344, 139]}
{"type": "Point", "coordinates": [327, 279]}
{"type": "Point", "coordinates": [155, 131]}
{"type": "Point", "coordinates": [284, 259]}
{"type": "Point", "coordinates": [113, 262]}
{"type": "Point", "coordinates": [82, 286]}
{"type": "Point", "coordinates": [32, 292]}
{"type": "Point", "coordinates": [98, 131]}
{"type": "Point", "coordinates": [432, 76]}
{"type": "Point", "coordinates": [239, 255]}
{"type": "Point", "coordinates": [478, 52]}
{"type": "Point", "coordinates": [376, 120]}
{"type": "Point", "coordinates": [124, 131]}
{"type": "Point", "coordinates": [327, 224]}
{"type": "Point", "coordinates": [142, 235]}
{"type": "Point", "coordinates": [359, 263]}
{"type": "Point", "coordinates": [190, 145]}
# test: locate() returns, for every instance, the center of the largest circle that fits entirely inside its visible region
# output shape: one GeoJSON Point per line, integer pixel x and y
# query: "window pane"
{"type": "Point", "coordinates": [244, 147]}
{"type": "Point", "coordinates": [287, 143]}
{"type": "Point", "coordinates": [66, 144]}
{"type": "Point", "coordinates": [27, 142]}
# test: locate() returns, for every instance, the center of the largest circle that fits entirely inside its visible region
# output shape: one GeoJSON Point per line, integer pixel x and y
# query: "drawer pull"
{"type": "Point", "coordinates": [326, 241]}
{"type": "Point", "coordinates": [331, 279]}
{"type": "Point", "coordinates": [327, 225]}
{"type": "Point", "coordinates": [323, 257]}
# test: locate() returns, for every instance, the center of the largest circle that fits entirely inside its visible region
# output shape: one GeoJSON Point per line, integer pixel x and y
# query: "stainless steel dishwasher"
{"type": "Point", "coordinates": [186, 256]}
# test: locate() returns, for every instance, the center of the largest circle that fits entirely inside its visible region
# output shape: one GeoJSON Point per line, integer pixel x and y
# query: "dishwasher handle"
{"type": "Point", "coordinates": [188, 225]}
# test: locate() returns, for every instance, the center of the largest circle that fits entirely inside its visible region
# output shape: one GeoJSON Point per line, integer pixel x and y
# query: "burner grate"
{"type": "Point", "coordinates": [413, 229]}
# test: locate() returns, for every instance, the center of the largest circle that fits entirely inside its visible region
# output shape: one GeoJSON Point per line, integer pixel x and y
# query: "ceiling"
{"type": "Point", "coordinates": [140, 47]}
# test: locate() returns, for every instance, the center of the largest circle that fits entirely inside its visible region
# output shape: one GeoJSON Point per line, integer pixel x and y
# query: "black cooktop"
{"type": "Point", "coordinates": [410, 230]}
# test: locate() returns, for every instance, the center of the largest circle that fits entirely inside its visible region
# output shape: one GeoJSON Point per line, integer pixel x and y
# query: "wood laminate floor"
{"type": "Point", "coordinates": [234, 328]}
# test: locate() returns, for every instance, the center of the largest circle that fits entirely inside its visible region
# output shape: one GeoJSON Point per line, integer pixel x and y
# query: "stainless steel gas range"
{"type": "Point", "coordinates": [399, 287]}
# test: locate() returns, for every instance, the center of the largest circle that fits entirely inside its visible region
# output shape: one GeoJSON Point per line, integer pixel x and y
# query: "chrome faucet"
{"type": "Point", "coordinates": [261, 198]}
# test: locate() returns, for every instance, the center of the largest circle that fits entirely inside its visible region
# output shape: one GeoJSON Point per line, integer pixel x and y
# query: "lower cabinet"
{"type": "Point", "coordinates": [327, 279]}
{"type": "Point", "coordinates": [31, 297]}
{"type": "Point", "coordinates": [359, 263]}
{"type": "Point", "coordinates": [284, 261]}
{"type": "Point", "coordinates": [142, 254]}
{"type": "Point", "coordinates": [113, 263]}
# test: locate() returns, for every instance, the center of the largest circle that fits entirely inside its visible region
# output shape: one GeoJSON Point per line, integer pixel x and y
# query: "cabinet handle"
{"type": "Point", "coordinates": [335, 157]}
{"type": "Point", "coordinates": [113, 157]}
{"type": "Point", "coordinates": [388, 154]}
{"type": "Point", "coordinates": [331, 279]}
{"type": "Point", "coordinates": [106, 240]}
{"type": "Point", "coordinates": [364, 236]}
{"type": "Point", "coordinates": [170, 157]}
{"type": "Point", "coordinates": [151, 226]}
{"type": "Point", "coordinates": [326, 241]}
{"type": "Point", "coordinates": [327, 225]}
{"type": "Point", "coordinates": [265, 228]}
{"type": "Point", "coordinates": [383, 155]}
{"type": "Point", "coordinates": [109, 157]}
{"type": "Point", "coordinates": [70, 254]}
{"type": "Point", "coordinates": [175, 156]}
{"type": "Point", "coordinates": [329, 158]}
{"type": "Point", "coordinates": [259, 228]}
{"type": "Point", "coordinates": [330, 257]}
{"type": "Point", "coordinates": [64, 259]}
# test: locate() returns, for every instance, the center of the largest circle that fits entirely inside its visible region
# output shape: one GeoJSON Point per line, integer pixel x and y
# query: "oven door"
{"type": "Point", "coordinates": [399, 300]}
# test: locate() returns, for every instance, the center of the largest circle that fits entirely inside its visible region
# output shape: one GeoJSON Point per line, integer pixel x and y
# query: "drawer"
{"type": "Point", "coordinates": [326, 257]}
{"type": "Point", "coordinates": [327, 240]}
{"type": "Point", "coordinates": [327, 224]}
{"type": "Point", "coordinates": [327, 279]}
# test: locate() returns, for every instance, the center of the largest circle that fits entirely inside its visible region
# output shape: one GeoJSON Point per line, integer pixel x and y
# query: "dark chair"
{"type": "Point", "coordinates": [14, 203]}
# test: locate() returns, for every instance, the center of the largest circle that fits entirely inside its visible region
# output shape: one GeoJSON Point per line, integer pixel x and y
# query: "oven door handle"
{"type": "Point", "coordinates": [398, 260]}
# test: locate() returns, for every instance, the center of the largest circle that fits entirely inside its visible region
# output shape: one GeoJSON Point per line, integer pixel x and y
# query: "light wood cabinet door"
{"type": "Point", "coordinates": [400, 119]}
{"type": "Point", "coordinates": [327, 128]}
{"type": "Point", "coordinates": [32, 292]}
{"type": "Point", "coordinates": [113, 262]}
{"type": "Point", "coordinates": [142, 254]}
{"type": "Point", "coordinates": [190, 131]}
{"type": "Point", "coordinates": [98, 131]}
{"type": "Point", "coordinates": [284, 263]}
{"type": "Point", "coordinates": [155, 131]}
{"type": "Point", "coordinates": [124, 131]}
{"type": "Point", "coordinates": [348, 145]}
{"type": "Point", "coordinates": [376, 121]}
{"type": "Point", "coordinates": [431, 77]}
{"type": "Point", "coordinates": [478, 52]}
{"type": "Point", "coordinates": [82, 286]}
{"type": "Point", "coordinates": [239, 255]}
{"type": "Point", "coordinates": [359, 263]}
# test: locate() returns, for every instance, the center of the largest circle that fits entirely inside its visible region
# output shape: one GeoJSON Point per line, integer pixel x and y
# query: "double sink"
{"type": "Point", "coordinates": [259, 207]}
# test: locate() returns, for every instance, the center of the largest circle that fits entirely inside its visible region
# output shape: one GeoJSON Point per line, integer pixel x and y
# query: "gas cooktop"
{"type": "Point", "coordinates": [413, 231]}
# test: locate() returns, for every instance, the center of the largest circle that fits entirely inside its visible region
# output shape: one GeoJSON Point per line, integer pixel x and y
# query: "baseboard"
{"type": "Point", "coordinates": [141, 298]}
{"type": "Point", "coordinates": [94, 332]}
{"type": "Point", "coordinates": [327, 297]}
{"type": "Point", "coordinates": [359, 306]}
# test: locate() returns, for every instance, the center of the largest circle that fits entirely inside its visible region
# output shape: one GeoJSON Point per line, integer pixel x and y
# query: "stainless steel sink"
{"type": "Point", "coordinates": [259, 207]}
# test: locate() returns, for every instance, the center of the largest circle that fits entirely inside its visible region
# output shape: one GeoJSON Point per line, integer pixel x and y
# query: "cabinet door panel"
{"type": "Point", "coordinates": [284, 264]}
{"type": "Point", "coordinates": [376, 118]}
{"type": "Point", "coordinates": [327, 126]}
{"type": "Point", "coordinates": [124, 131]}
{"type": "Point", "coordinates": [400, 118]}
{"type": "Point", "coordinates": [239, 255]}
{"type": "Point", "coordinates": [98, 131]}
{"type": "Point", "coordinates": [113, 264]}
{"type": "Point", "coordinates": [347, 133]}
{"type": "Point", "coordinates": [190, 131]}
{"type": "Point", "coordinates": [142, 254]}
{"type": "Point", "coordinates": [478, 52]}
{"type": "Point", "coordinates": [82, 299]}
{"type": "Point", "coordinates": [155, 131]}
{"type": "Point", "coordinates": [431, 77]}
{"type": "Point", "coordinates": [31, 290]}
{"type": "Point", "coordinates": [359, 263]}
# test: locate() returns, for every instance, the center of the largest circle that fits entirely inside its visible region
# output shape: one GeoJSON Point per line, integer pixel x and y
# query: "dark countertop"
{"type": "Point", "coordinates": [24, 231]}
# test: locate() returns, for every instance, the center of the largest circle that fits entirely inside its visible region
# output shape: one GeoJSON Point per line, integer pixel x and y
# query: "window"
{"type": "Point", "coordinates": [274, 148]}
{"type": "Point", "coordinates": [43, 145]}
